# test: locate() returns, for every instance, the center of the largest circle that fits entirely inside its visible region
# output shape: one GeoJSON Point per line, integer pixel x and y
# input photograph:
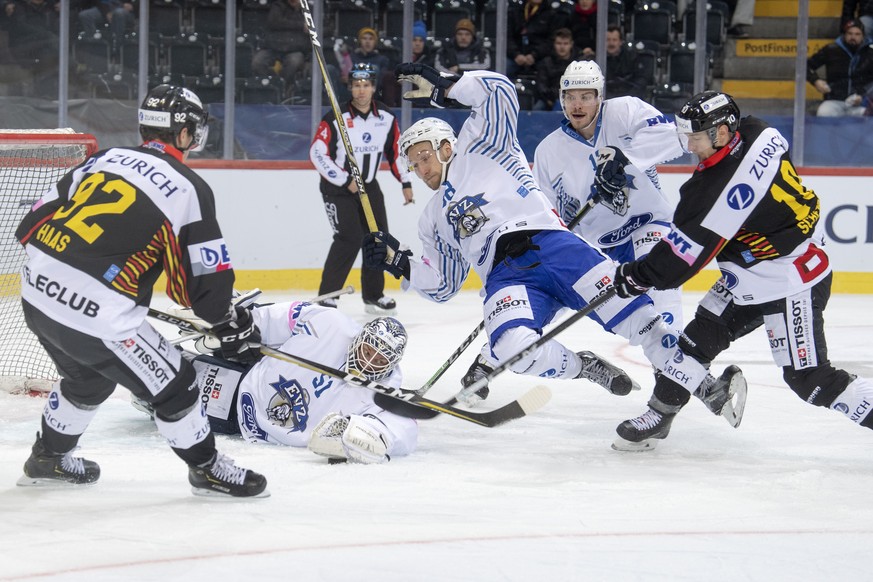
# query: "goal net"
{"type": "Point", "coordinates": [31, 162]}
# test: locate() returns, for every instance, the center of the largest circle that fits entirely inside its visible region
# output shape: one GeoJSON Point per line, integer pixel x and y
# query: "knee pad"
{"type": "Point", "coordinates": [550, 360]}
{"type": "Point", "coordinates": [178, 397]}
{"type": "Point", "coordinates": [819, 386]}
{"type": "Point", "coordinates": [64, 415]}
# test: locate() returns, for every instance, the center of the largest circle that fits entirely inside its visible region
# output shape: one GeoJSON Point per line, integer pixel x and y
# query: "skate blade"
{"type": "Point", "coordinates": [734, 408]}
{"type": "Point", "coordinates": [375, 310]}
{"type": "Point", "coordinates": [219, 495]}
{"type": "Point", "coordinates": [627, 446]}
{"type": "Point", "coordinates": [48, 483]}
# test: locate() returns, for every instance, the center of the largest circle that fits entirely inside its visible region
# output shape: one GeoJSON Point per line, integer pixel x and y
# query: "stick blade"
{"type": "Point", "coordinates": [535, 399]}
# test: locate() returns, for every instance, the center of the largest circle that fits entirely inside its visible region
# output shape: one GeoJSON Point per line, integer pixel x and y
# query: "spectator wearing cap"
{"type": "Point", "coordinates": [422, 52]}
{"type": "Point", "coordinates": [464, 52]}
{"type": "Point", "coordinates": [367, 52]}
{"type": "Point", "coordinates": [859, 10]}
{"type": "Point", "coordinates": [848, 65]}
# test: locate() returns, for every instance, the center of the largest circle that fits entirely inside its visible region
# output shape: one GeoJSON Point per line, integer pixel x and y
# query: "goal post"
{"type": "Point", "coordinates": [31, 162]}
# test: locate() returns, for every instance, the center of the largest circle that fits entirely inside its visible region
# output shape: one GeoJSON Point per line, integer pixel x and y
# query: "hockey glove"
{"type": "Point", "coordinates": [431, 84]}
{"type": "Point", "coordinates": [382, 251]}
{"type": "Point", "coordinates": [239, 336]}
{"type": "Point", "coordinates": [625, 285]}
{"type": "Point", "coordinates": [609, 176]}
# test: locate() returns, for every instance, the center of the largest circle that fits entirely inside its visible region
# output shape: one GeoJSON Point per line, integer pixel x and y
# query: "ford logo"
{"type": "Point", "coordinates": [615, 236]}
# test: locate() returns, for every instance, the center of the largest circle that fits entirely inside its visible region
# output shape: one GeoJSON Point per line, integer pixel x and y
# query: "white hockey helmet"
{"type": "Point", "coordinates": [377, 349]}
{"type": "Point", "coordinates": [581, 75]}
{"type": "Point", "coordinates": [429, 129]}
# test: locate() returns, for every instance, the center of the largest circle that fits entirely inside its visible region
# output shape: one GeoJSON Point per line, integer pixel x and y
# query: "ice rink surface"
{"type": "Point", "coordinates": [785, 497]}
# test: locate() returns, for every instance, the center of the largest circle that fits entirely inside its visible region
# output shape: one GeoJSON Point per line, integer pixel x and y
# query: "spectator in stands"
{"type": "Point", "coordinates": [530, 27]}
{"type": "Point", "coordinates": [859, 10]}
{"type": "Point", "coordinates": [464, 52]}
{"type": "Point", "coordinates": [366, 52]}
{"type": "Point", "coordinates": [742, 17]}
{"type": "Point", "coordinates": [551, 68]}
{"type": "Point", "coordinates": [583, 23]}
{"type": "Point", "coordinates": [33, 37]}
{"type": "Point", "coordinates": [286, 41]}
{"type": "Point", "coordinates": [422, 52]}
{"type": "Point", "coordinates": [623, 75]}
{"type": "Point", "coordinates": [848, 64]}
{"type": "Point", "coordinates": [118, 15]}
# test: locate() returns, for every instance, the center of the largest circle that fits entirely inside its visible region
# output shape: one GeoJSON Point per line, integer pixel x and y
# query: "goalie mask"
{"type": "Point", "coordinates": [707, 111]}
{"type": "Point", "coordinates": [377, 349]}
{"type": "Point", "coordinates": [581, 75]}
{"type": "Point", "coordinates": [168, 109]}
{"type": "Point", "coordinates": [432, 130]}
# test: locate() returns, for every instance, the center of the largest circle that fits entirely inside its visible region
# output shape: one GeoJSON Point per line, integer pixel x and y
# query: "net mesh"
{"type": "Point", "coordinates": [31, 162]}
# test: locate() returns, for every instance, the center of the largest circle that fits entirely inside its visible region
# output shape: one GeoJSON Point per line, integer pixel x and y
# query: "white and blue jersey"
{"type": "Point", "coordinates": [490, 192]}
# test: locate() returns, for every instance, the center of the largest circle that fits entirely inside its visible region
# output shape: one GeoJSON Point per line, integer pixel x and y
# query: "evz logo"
{"type": "Point", "coordinates": [740, 196]}
{"type": "Point", "coordinates": [466, 216]}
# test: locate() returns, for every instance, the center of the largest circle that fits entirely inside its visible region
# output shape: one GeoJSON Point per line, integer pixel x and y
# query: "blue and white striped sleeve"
{"type": "Point", "coordinates": [495, 102]}
{"type": "Point", "coordinates": [442, 270]}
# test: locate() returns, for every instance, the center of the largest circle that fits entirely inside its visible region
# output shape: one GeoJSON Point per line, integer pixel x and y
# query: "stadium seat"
{"type": "Point", "coordinates": [648, 61]}
{"type": "Point", "coordinates": [351, 16]}
{"type": "Point", "coordinates": [165, 19]}
{"type": "Point", "coordinates": [680, 64]}
{"type": "Point", "coordinates": [210, 20]}
{"type": "Point", "coordinates": [447, 13]}
{"type": "Point", "coordinates": [261, 90]}
{"type": "Point", "coordinates": [670, 98]}
{"type": "Point", "coordinates": [392, 16]}
{"type": "Point", "coordinates": [91, 55]}
{"type": "Point", "coordinates": [185, 56]}
{"type": "Point", "coordinates": [715, 26]}
{"type": "Point", "coordinates": [653, 24]}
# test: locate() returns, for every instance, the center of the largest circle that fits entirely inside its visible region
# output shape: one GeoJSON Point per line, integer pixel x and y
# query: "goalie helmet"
{"type": "Point", "coordinates": [377, 349]}
{"type": "Point", "coordinates": [581, 75]}
{"type": "Point", "coordinates": [363, 72]}
{"type": "Point", "coordinates": [706, 111]}
{"type": "Point", "coordinates": [167, 109]}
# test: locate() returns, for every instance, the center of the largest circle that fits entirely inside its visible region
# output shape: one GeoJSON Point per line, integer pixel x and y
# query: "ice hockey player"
{"type": "Point", "coordinates": [746, 206]}
{"type": "Point", "coordinates": [96, 244]}
{"type": "Point", "coordinates": [489, 213]}
{"type": "Point", "coordinates": [278, 402]}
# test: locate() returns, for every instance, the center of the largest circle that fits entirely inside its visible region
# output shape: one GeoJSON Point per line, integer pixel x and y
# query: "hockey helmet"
{"type": "Point", "coordinates": [363, 72]}
{"type": "Point", "coordinates": [429, 129]}
{"type": "Point", "coordinates": [167, 109]}
{"type": "Point", "coordinates": [706, 111]}
{"type": "Point", "coordinates": [377, 349]}
{"type": "Point", "coordinates": [581, 75]}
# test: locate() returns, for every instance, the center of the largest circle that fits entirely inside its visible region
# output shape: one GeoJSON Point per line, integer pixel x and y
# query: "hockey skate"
{"type": "Point", "coordinates": [382, 306]}
{"type": "Point", "coordinates": [223, 478]}
{"type": "Point", "coordinates": [478, 370]}
{"type": "Point", "coordinates": [44, 468]}
{"type": "Point", "coordinates": [726, 395]}
{"type": "Point", "coordinates": [611, 377]}
{"type": "Point", "coordinates": [643, 432]}
{"type": "Point", "coordinates": [142, 406]}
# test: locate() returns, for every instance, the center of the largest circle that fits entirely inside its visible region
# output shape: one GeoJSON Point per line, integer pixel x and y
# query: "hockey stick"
{"type": "Point", "coordinates": [585, 311]}
{"type": "Point", "coordinates": [469, 339]}
{"type": "Point", "coordinates": [344, 134]}
{"type": "Point", "coordinates": [245, 299]}
{"type": "Point", "coordinates": [528, 403]}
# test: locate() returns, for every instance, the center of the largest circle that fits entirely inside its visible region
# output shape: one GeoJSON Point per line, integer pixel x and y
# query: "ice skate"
{"type": "Point", "coordinates": [44, 468]}
{"type": "Point", "coordinates": [726, 395]}
{"type": "Point", "coordinates": [611, 377]}
{"type": "Point", "coordinates": [223, 478]}
{"type": "Point", "coordinates": [382, 306]}
{"type": "Point", "coordinates": [142, 406]}
{"type": "Point", "coordinates": [478, 370]}
{"type": "Point", "coordinates": [643, 432]}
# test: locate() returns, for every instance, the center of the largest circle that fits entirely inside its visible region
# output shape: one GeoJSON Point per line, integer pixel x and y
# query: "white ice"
{"type": "Point", "coordinates": [787, 496]}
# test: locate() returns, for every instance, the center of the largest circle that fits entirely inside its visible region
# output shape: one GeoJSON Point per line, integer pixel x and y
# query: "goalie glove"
{"type": "Point", "coordinates": [431, 84]}
{"type": "Point", "coordinates": [357, 438]}
{"type": "Point", "coordinates": [239, 336]}
{"type": "Point", "coordinates": [610, 178]}
{"type": "Point", "coordinates": [625, 285]}
{"type": "Point", "coordinates": [376, 247]}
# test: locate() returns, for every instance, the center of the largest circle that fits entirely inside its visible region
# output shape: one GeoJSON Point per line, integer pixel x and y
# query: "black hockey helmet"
{"type": "Point", "coordinates": [167, 109]}
{"type": "Point", "coordinates": [706, 111]}
{"type": "Point", "coordinates": [363, 72]}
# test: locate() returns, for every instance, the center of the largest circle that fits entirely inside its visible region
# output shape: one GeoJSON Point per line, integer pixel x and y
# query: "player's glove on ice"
{"type": "Point", "coordinates": [431, 84]}
{"type": "Point", "coordinates": [382, 251]}
{"type": "Point", "coordinates": [609, 176]}
{"type": "Point", "coordinates": [239, 336]}
{"type": "Point", "coordinates": [625, 285]}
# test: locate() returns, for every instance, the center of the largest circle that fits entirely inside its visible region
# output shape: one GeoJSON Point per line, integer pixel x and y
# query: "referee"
{"type": "Point", "coordinates": [373, 132]}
